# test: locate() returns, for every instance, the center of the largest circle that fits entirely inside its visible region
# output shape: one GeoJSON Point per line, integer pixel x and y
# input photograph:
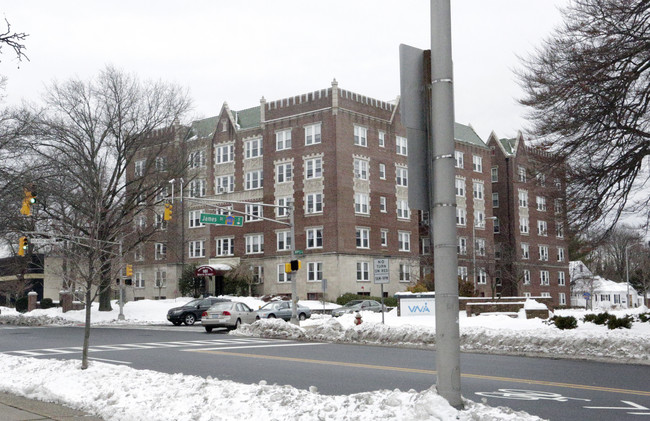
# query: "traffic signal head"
{"type": "Point", "coordinates": [28, 201]}
{"type": "Point", "coordinates": [295, 265]}
{"type": "Point", "coordinates": [129, 270]}
{"type": "Point", "coordinates": [168, 212]}
{"type": "Point", "coordinates": [23, 245]}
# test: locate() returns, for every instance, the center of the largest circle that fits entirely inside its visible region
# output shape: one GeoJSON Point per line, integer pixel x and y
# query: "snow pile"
{"type": "Point", "coordinates": [124, 394]}
{"type": "Point", "coordinates": [531, 304]}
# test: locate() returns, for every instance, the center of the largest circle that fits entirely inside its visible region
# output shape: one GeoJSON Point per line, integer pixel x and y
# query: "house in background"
{"type": "Point", "coordinates": [594, 292]}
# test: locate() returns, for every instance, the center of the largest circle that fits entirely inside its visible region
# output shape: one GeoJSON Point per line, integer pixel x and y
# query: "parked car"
{"type": "Point", "coordinates": [227, 314]}
{"type": "Point", "coordinates": [357, 305]}
{"type": "Point", "coordinates": [191, 312]}
{"type": "Point", "coordinates": [283, 310]}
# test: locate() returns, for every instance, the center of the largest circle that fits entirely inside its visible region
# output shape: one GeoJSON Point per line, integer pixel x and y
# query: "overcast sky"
{"type": "Point", "coordinates": [238, 51]}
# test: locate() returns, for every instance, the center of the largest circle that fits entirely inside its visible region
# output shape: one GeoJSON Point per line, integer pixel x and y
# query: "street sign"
{"type": "Point", "coordinates": [209, 218]}
{"type": "Point", "coordinates": [298, 252]}
{"type": "Point", "coordinates": [380, 267]}
{"type": "Point", "coordinates": [586, 295]}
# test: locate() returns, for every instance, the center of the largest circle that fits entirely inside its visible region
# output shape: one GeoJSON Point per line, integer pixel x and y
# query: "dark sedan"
{"type": "Point", "coordinates": [191, 312]}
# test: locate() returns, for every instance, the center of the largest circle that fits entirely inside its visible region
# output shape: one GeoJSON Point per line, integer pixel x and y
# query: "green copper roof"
{"type": "Point", "coordinates": [508, 145]}
{"type": "Point", "coordinates": [463, 133]}
{"type": "Point", "coordinates": [204, 128]}
{"type": "Point", "coordinates": [248, 118]}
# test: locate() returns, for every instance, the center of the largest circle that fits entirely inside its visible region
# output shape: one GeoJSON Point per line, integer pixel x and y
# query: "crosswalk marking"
{"type": "Point", "coordinates": [139, 346]}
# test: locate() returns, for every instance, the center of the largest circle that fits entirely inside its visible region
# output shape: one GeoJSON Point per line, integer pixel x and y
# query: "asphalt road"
{"type": "Point", "coordinates": [556, 389]}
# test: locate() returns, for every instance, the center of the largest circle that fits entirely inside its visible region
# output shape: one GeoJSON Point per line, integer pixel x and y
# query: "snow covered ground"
{"type": "Point", "coordinates": [128, 394]}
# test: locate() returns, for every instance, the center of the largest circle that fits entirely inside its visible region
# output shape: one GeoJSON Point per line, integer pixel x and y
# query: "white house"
{"type": "Point", "coordinates": [592, 291]}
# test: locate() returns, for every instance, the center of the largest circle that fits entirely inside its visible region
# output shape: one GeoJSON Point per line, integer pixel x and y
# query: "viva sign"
{"type": "Point", "coordinates": [418, 307]}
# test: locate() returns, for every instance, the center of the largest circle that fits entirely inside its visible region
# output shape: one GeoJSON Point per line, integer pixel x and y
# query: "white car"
{"type": "Point", "coordinates": [227, 314]}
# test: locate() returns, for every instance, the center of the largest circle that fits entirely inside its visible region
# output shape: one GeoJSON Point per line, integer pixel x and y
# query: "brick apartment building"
{"type": "Point", "coordinates": [341, 159]}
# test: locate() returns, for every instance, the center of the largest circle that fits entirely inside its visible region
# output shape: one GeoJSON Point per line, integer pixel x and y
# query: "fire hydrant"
{"type": "Point", "coordinates": [357, 319]}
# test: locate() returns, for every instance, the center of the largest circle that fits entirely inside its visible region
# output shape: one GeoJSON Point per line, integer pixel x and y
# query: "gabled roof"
{"type": "Point", "coordinates": [248, 118]}
{"type": "Point", "coordinates": [204, 128]}
{"type": "Point", "coordinates": [466, 134]}
{"type": "Point", "coordinates": [509, 145]}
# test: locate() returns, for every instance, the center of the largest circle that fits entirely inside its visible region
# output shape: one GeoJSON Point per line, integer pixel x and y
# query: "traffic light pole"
{"type": "Point", "coordinates": [292, 275]}
{"type": "Point", "coordinates": [121, 315]}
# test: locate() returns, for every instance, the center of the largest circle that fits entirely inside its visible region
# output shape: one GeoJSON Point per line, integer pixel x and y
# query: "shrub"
{"type": "Point", "coordinates": [644, 317]}
{"type": "Point", "coordinates": [617, 322]}
{"type": "Point", "coordinates": [46, 303]}
{"type": "Point", "coordinates": [599, 319]}
{"type": "Point", "coordinates": [21, 304]}
{"type": "Point", "coordinates": [345, 298]}
{"type": "Point", "coordinates": [564, 322]}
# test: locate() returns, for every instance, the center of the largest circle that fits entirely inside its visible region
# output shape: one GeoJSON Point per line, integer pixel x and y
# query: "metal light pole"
{"type": "Point", "coordinates": [292, 276]}
{"type": "Point", "coordinates": [121, 315]}
{"type": "Point", "coordinates": [627, 275]}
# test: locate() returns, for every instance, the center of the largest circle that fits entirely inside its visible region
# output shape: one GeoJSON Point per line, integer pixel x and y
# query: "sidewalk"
{"type": "Point", "coordinates": [17, 408]}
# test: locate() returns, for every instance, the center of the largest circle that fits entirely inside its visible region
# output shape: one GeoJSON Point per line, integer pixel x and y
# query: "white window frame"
{"type": "Point", "coordinates": [313, 203]}
{"type": "Point", "coordinates": [253, 148]}
{"type": "Point", "coordinates": [461, 217]}
{"type": "Point", "coordinates": [139, 167]}
{"type": "Point", "coordinates": [160, 251]}
{"type": "Point", "coordinates": [363, 271]}
{"type": "Point", "coordinates": [254, 212]}
{"type": "Point", "coordinates": [383, 236]}
{"type": "Point", "coordinates": [362, 203]}
{"type": "Point", "coordinates": [561, 278]}
{"type": "Point", "coordinates": [478, 190]}
{"type": "Point", "coordinates": [196, 249]}
{"type": "Point", "coordinates": [224, 184]}
{"type": "Point", "coordinates": [526, 276]}
{"type": "Point", "coordinates": [283, 240]}
{"type": "Point", "coordinates": [494, 174]}
{"type": "Point", "coordinates": [460, 159]}
{"type": "Point", "coordinates": [481, 276]}
{"type": "Point", "coordinates": [461, 246]}
{"type": "Point", "coordinates": [282, 277]}
{"type": "Point", "coordinates": [404, 272]}
{"type": "Point", "coordinates": [283, 140]}
{"type": "Point", "coordinates": [382, 171]}
{"type": "Point", "coordinates": [282, 201]}
{"type": "Point", "coordinates": [404, 241]}
{"type": "Point", "coordinates": [254, 180]}
{"type": "Point", "coordinates": [541, 203]}
{"type": "Point", "coordinates": [402, 176]}
{"type": "Point", "coordinates": [524, 225]}
{"type": "Point", "coordinates": [313, 134]}
{"type": "Point", "coordinates": [361, 168]}
{"type": "Point", "coordinates": [225, 246]}
{"type": "Point", "coordinates": [523, 198]}
{"type": "Point", "coordinates": [315, 272]}
{"type": "Point", "coordinates": [138, 280]}
{"type": "Point", "coordinates": [254, 243]}
{"type": "Point", "coordinates": [362, 238]}
{"type": "Point", "coordinates": [360, 136]}
{"type": "Point", "coordinates": [544, 277]}
{"type": "Point", "coordinates": [401, 145]}
{"type": "Point", "coordinates": [542, 228]}
{"type": "Point", "coordinates": [313, 168]}
{"type": "Point", "coordinates": [314, 238]}
{"type": "Point", "coordinates": [382, 204]}
{"type": "Point", "coordinates": [525, 251]}
{"type": "Point", "coordinates": [543, 253]}
{"type": "Point", "coordinates": [477, 163]}
{"type": "Point", "coordinates": [382, 139]}
{"type": "Point", "coordinates": [284, 172]}
{"type": "Point", "coordinates": [197, 159]}
{"type": "Point", "coordinates": [403, 211]}
{"type": "Point", "coordinates": [460, 187]}
{"type": "Point", "coordinates": [197, 188]}
{"type": "Point", "coordinates": [225, 153]}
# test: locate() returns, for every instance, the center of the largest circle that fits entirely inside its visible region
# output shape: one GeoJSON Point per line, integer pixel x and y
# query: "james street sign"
{"type": "Point", "coordinates": [208, 218]}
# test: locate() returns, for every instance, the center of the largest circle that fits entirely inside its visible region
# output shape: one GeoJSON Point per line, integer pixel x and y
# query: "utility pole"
{"type": "Point", "coordinates": [292, 274]}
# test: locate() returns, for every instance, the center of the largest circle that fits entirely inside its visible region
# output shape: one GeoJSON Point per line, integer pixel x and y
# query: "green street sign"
{"type": "Point", "coordinates": [298, 252]}
{"type": "Point", "coordinates": [209, 218]}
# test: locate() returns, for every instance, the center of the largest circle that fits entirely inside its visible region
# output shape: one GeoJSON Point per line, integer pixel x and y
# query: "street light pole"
{"type": "Point", "coordinates": [627, 274]}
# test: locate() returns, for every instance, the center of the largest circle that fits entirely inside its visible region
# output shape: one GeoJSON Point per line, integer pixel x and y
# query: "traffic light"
{"type": "Point", "coordinates": [168, 212]}
{"type": "Point", "coordinates": [129, 270]}
{"type": "Point", "coordinates": [23, 245]}
{"type": "Point", "coordinates": [28, 201]}
{"type": "Point", "coordinates": [292, 266]}
{"type": "Point", "coordinates": [128, 281]}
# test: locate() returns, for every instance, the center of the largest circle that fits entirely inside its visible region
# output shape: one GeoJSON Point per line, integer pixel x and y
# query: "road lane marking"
{"type": "Point", "coordinates": [430, 372]}
{"type": "Point", "coordinates": [251, 346]}
{"type": "Point", "coordinates": [109, 361]}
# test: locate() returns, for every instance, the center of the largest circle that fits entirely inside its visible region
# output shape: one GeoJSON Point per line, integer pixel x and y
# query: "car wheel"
{"type": "Point", "coordinates": [189, 319]}
{"type": "Point", "coordinates": [208, 328]}
{"type": "Point", "coordinates": [177, 323]}
{"type": "Point", "coordinates": [302, 316]}
{"type": "Point", "coordinates": [257, 317]}
{"type": "Point", "coordinates": [271, 316]}
{"type": "Point", "coordinates": [237, 324]}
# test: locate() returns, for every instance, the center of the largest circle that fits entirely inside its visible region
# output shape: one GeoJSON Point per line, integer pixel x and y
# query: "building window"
{"type": "Point", "coordinates": [283, 240]}
{"type": "Point", "coordinates": [494, 174]}
{"type": "Point", "coordinates": [541, 179]}
{"type": "Point", "coordinates": [141, 222]}
{"type": "Point", "coordinates": [282, 275]}
{"type": "Point", "coordinates": [481, 276]}
{"type": "Point", "coordinates": [382, 139]}
{"type": "Point", "coordinates": [224, 210]}
{"type": "Point", "coordinates": [557, 205]}
{"type": "Point", "coordinates": [561, 278]}
{"type": "Point", "coordinates": [461, 217]}
{"type": "Point", "coordinates": [139, 167]}
{"type": "Point", "coordinates": [462, 272]}
{"type": "Point", "coordinates": [360, 136]}
{"type": "Point", "coordinates": [477, 163]}
{"type": "Point", "coordinates": [138, 280]}
{"type": "Point", "coordinates": [461, 248]}
{"type": "Point", "coordinates": [495, 200]}
{"type": "Point", "coordinates": [460, 159]}
{"type": "Point", "coordinates": [460, 187]}
{"type": "Point", "coordinates": [363, 271]}
{"type": "Point", "coordinates": [315, 271]}
{"type": "Point", "coordinates": [402, 176]}
{"type": "Point", "coordinates": [384, 238]}
{"type": "Point", "coordinates": [197, 249]}
{"type": "Point", "coordinates": [361, 203]}
{"type": "Point", "coordinates": [312, 134]}
{"type": "Point", "coordinates": [521, 174]}
{"type": "Point", "coordinates": [426, 245]}
{"type": "Point", "coordinates": [225, 184]}
{"type": "Point", "coordinates": [403, 211]}
{"type": "Point", "coordinates": [382, 204]}
{"type": "Point", "coordinates": [225, 246]}
{"type": "Point", "coordinates": [255, 244]}
{"type": "Point", "coordinates": [314, 202]}
{"type": "Point", "coordinates": [160, 251]}
{"type": "Point", "coordinates": [404, 241]}
{"type": "Point", "coordinates": [313, 168]}
{"type": "Point", "coordinates": [161, 163]}
{"type": "Point", "coordinates": [526, 276]}
{"type": "Point", "coordinates": [496, 226]}
{"type": "Point", "coordinates": [258, 274]}
{"type": "Point", "coordinates": [479, 246]}
{"type": "Point", "coordinates": [543, 253]}
{"type": "Point", "coordinates": [479, 219]}
{"type": "Point", "coordinates": [197, 159]}
{"type": "Point", "coordinates": [363, 238]}
{"type": "Point", "coordinates": [253, 212]}
{"type": "Point", "coordinates": [544, 277]}
{"type": "Point", "coordinates": [254, 180]}
{"type": "Point", "coordinates": [401, 145]}
{"type": "Point", "coordinates": [382, 171]}
{"type": "Point", "coordinates": [138, 253]}
{"type": "Point", "coordinates": [195, 219]}
{"type": "Point", "coordinates": [361, 169]}
{"type": "Point", "coordinates": [562, 299]}
{"type": "Point", "coordinates": [197, 188]}
{"type": "Point", "coordinates": [542, 228]}
{"type": "Point", "coordinates": [523, 199]}
{"type": "Point", "coordinates": [525, 251]}
{"type": "Point", "coordinates": [225, 153]}
{"type": "Point", "coordinates": [283, 140]}
{"type": "Point", "coordinates": [523, 225]}
{"type": "Point", "coordinates": [314, 238]}
{"type": "Point", "coordinates": [404, 272]}
{"type": "Point", "coordinates": [284, 172]}
{"type": "Point", "coordinates": [161, 224]}
{"type": "Point", "coordinates": [560, 254]}
{"type": "Point", "coordinates": [478, 190]}
{"type": "Point", "coordinates": [559, 229]}
{"type": "Point", "coordinates": [541, 203]}
{"type": "Point", "coordinates": [282, 211]}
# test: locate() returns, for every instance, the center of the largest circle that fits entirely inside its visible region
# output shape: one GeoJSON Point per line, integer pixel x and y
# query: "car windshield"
{"type": "Point", "coordinates": [271, 306]}
{"type": "Point", "coordinates": [353, 303]}
{"type": "Point", "coordinates": [220, 306]}
{"type": "Point", "coordinates": [193, 303]}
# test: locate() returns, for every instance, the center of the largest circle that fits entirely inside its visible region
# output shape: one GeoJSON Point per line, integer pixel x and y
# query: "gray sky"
{"type": "Point", "coordinates": [238, 51]}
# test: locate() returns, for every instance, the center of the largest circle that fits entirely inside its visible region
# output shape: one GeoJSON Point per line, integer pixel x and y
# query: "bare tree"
{"type": "Point", "coordinates": [589, 92]}
{"type": "Point", "coordinates": [14, 40]}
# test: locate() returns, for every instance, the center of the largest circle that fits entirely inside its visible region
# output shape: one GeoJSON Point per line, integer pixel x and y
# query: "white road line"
{"type": "Point", "coordinates": [249, 346]}
{"type": "Point", "coordinates": [109, 361]}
